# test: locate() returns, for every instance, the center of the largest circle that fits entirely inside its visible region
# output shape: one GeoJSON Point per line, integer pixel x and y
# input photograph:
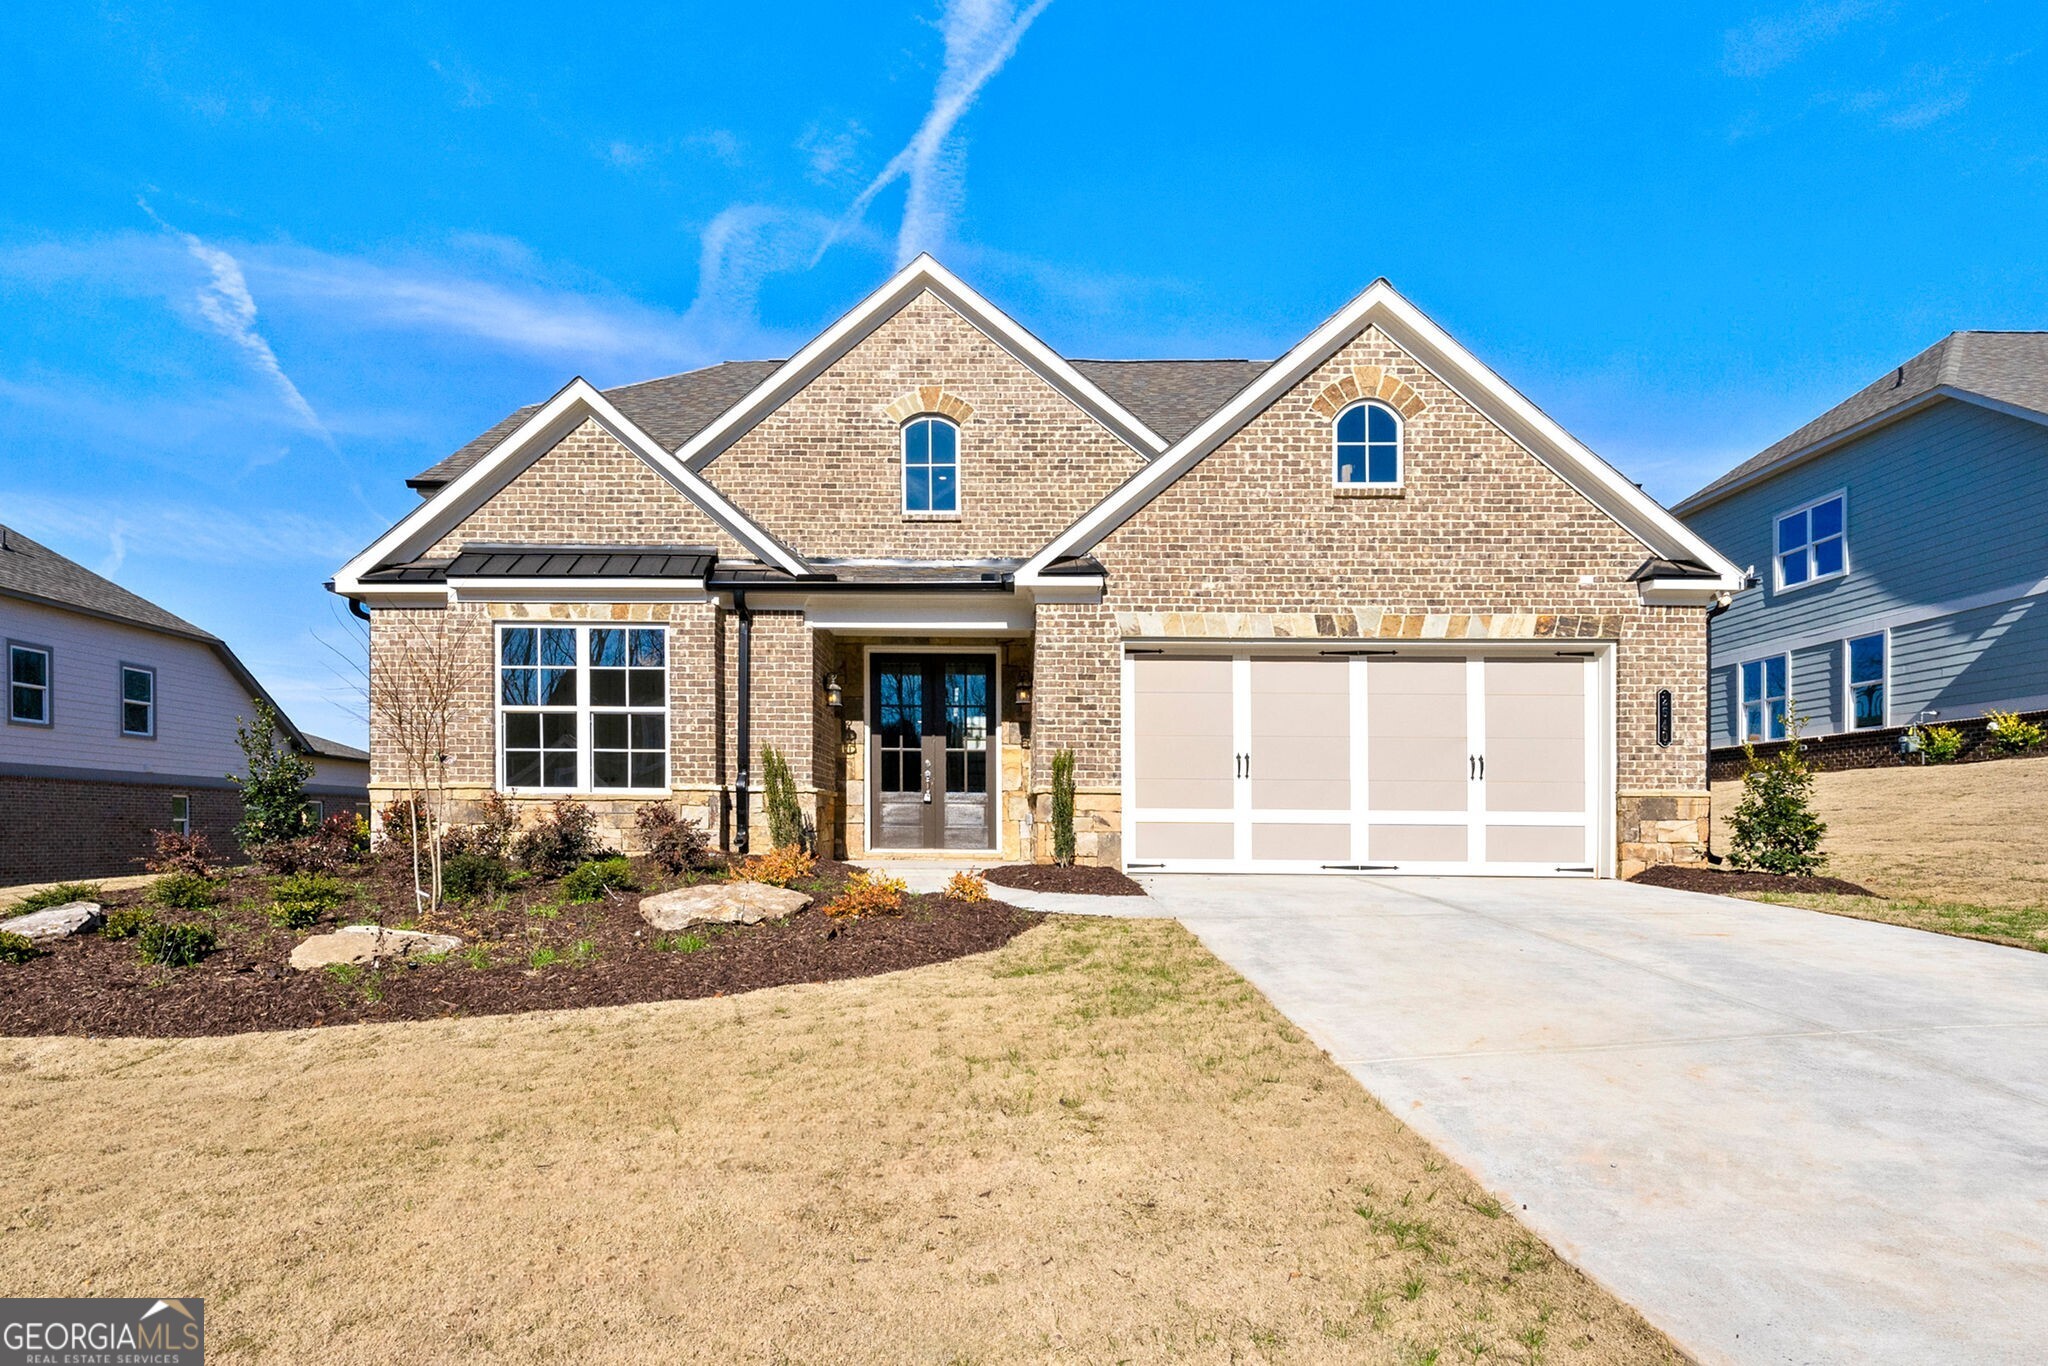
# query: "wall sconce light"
{"type": "Point", "coordinates": [1022, 696]}
{"type": "Point", "coordinates": [835, 696]}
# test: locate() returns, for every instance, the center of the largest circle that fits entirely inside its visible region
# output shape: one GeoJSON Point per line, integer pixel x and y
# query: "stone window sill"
{"type": "Point", "coordinates": [1371, 491]}
{"type": "Point", "coordinates": [931, 516]}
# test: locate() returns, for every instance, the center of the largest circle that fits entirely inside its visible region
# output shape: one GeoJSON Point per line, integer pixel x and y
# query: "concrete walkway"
{"type": "Point", "coordinates": [1785, 1136]}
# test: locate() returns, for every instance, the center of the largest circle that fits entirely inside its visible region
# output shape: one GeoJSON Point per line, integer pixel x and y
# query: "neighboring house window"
{"type": "Point", "coordinates": [583, 708]}
{"type": "Point", "coordinates": [138, 701]}
{"type": "Point", "coordinates": [1813, 542]}
{"type": "Point", "coordinates": [28, 677]}
{"type": "Point", "coordinates": [316, 811]}
{"type": "Point", "coordinates": [1866, 682]}
{"type": "Point", "coordinates": [181, 814]}
{"type": "Point", "coordinates": [931, 466]}
{"type": "Point", "coordinates": [1369, 445]}
{"type": "Point", "coordinates": [1763, 699]}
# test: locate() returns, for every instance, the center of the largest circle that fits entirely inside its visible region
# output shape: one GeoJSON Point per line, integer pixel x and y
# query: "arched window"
{"type": "Point", "coordinates": [931, 465]}
{"type": "Point", "coordinates": [1369, 446]}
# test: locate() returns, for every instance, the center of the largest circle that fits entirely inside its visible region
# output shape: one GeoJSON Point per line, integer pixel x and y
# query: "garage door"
{"type": "Point", "coordinates": [1381, 762]}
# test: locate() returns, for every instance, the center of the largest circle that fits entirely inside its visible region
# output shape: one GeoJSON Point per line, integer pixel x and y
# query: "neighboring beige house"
{"type": "Point", "coordinates": [121, 721]}
{"type": "Point", "coordinates": [1361, 608]}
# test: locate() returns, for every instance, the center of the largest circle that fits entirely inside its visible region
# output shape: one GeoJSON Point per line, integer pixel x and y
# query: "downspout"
{"type": "Point", "coordinates": [357, 609]}
{"type": "Point", "coordinates": [744, 721]}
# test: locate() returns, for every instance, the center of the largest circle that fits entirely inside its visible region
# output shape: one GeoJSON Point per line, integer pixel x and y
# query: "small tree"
{"type": "Point", "coordinates": [1774, 826]}
{"type": "Point", "coordinates": [426, 680]}
{"type": "Point", "coordinates": [274, 792]}
{"type": "Point", "coordinates": [785, 816]}
{"type": "Point", "coordinates": [1063, 808]}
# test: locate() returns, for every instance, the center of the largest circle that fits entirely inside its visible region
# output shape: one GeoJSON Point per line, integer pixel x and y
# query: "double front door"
{"type": "Point", "coordinates": [1365, 761]}
{"type": "Point", "coordinates": [933, 767]}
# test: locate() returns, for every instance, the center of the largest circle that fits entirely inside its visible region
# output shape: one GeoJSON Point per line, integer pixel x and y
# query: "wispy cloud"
{"type": "Point", "coordinates": [1766, 43]}
{"type": "Point", "coordinates": [227, 306]}
{"type": "Point", "coordinates": [191, 532]}
{"type": "Point", "coordinates": [980, 37]}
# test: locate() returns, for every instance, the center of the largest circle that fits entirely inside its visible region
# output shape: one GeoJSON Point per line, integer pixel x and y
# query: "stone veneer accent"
{"type": "Point", "coordinates": [1368, 623]}
{"type": "Point", "coordinates": [930, 399]}
{"type": "Point", "coordinates": [1368, 381]}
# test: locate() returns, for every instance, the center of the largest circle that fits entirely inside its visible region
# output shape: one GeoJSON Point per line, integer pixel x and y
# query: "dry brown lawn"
{"type": "Point", "coordinates": [1097, 1143]}
{"type": "Point", "coordinates": [1956, 848]}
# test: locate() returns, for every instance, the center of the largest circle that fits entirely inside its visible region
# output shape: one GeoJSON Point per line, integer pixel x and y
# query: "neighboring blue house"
{"type": "Point", "coordinates": [1899, 546]}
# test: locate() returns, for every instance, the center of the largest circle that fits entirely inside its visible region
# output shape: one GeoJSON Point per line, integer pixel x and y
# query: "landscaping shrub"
{"type": "Point", "coordinates": [63, 894]}
{"type": "Point", "coordinates": [1774, 826]}
{"type": "Point", "coordinates": [341, 841]}
{"type": "Point", "coordinates": [491, 834]}
{"type": "Point", "coordinates": [560, 840]}
{"type": "Point", "coordinates": [778, 867]}
{"type": "Point", "coordinates": [676, 845]}
{"type": "Point", "coordinates": [867, 894]}
{"type": "Point", "coordinates": [1063, 808]}
{"type": "Point", "coordinates": [187, 892]}
{"type": "Point", "coordinates": [177, 853]}
{"type": "Point", "coordinates": [298, 901]}
{"type": "Point", "coordinates": [175, 945]}
{"type": "Point", "coordinates": [785, 817]}
{"type": "Point", "coordinates": [1941, 744]}
{"type": "Point", "coordinates": [16, 948]}
{"type": "Point", "coordinates": [2011, 734]}
{"type": "Point", "coordinates": [967, 887]}
{"type": "Point", "coordinates": [274, 792]}
{"type": "Point", "coordinates": [127, 922]}
{"type": "Point", "coordinates": [471, 876]}
{"type": "Point", "coordinates": [592, 880]}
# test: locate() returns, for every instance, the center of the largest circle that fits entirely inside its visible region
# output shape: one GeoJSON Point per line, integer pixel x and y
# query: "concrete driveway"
{"type": "Point", "coordinates": [1785, 1136]}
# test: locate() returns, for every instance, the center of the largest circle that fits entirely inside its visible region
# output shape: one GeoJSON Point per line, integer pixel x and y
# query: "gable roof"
{"type": "Point", "coordinates": [32, 572]}
{"type": "Point", "coordinates": [578, 402]}
{"type": "Point", "coordinates": [1382, 306]}
{"type": "Point", "coordinates": [923, 275]}
{"type": "Point", "coordinates": [2006, 370]}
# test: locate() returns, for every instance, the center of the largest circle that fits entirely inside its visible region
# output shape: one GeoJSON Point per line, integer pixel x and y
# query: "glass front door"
{"type": "Point", "coordinates": [932, 733]}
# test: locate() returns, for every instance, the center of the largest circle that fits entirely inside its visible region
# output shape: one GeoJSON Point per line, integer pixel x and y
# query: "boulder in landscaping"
{"type": "Point", "coordinates": [56, 922]}
{"type": "Point", "coordinates": [369, 944]}
{"type": "Point", "coordinates": [720, 903]}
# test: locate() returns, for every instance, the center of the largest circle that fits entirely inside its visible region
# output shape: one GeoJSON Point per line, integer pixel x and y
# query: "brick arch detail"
{"type": "Point", "coordinates": [1368, 381]}
{"type": "Point", "coordinates": [927, 399]}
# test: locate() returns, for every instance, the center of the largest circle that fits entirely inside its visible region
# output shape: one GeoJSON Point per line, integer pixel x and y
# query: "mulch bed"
{"type": "Point", "coordinates": [1734, 882]}
{"type": "Point", "coordinates": [605, 955]}
{"type": "Point", "coordinates": [1050, 877]}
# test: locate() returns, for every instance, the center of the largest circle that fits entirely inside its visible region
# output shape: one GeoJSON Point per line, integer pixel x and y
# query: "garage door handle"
{"type": "Point", "coordinates": [1482, 768]}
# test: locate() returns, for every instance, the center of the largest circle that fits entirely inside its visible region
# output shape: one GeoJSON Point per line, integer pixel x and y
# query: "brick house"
{"type": "Point", "coordinates": [120, 721]}
{"type": "Point", "coordinates": [1363, 607]}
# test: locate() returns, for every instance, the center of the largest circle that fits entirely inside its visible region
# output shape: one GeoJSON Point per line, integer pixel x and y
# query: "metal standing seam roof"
{"type": "Point", "coordinates": [1169, 396]}
{"type": "Point", "coordinates": [2006, 367]}
{"type": "Point", "coordinates": [554, 562]}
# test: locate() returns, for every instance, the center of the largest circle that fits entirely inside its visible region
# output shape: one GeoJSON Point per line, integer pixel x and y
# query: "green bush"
{"type": "Point", "coordinates": [2010, 733]}
{"type": "Point", "coordinates": [16, 948]}
{"type": "Point", "coordinates": [1940, 744]}
{"type": "Point", "coordinates": [785, 816]}
{"type": "Point", "coordinates": [1774, 826]}
{"type": "Point", "coordinates": [127, 922]}
{"type": "Point", "coordinates": [274, 792]}
{"type": "Point", "coordinates": [298, 901]}
{"type": "Point", "coordinates": [62, 894]}
{"type": "Point", "coordinates": [467, 876]}
{"type": "Point", "coordinates": [187, 892]}
{"type": "Point", "coordinates": [174, 945]}
{"type": "Point", "coordinates": [591, 881]}
{"type": "Point", "coordinates": [1063, 808]}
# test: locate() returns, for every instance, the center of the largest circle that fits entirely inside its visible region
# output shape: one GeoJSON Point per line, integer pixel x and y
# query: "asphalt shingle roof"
{"type": "Point", "coordinates": [1169, 396]}
{"type": "Point", "coordinates": [2007, 367]}
{"type": "Point", "coordinates": [31, 570]}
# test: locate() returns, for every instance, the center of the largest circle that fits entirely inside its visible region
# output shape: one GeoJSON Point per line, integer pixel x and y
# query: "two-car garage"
{"type": "Point", "coordinates": [1417, 759]}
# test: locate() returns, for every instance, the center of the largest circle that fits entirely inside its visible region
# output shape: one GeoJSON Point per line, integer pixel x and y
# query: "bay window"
{"type": "Point", "coordinates": [582, 708]}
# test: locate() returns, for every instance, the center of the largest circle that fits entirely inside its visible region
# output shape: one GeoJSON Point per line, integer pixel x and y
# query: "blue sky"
{"type": "Point", "coordinates": [257, 265]}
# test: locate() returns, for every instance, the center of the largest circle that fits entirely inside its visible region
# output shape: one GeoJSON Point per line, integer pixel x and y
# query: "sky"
{"type": "Point", "coordinates": [258, 264]}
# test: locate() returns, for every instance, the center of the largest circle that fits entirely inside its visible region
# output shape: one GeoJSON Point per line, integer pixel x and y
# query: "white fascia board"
{"type": "Point", "coordinates": [1436, 350]}
{"type": "Point", "coordinates": [401, 595]}
{"type": "Point", "coordinates": [1684, 592]}
{"type": "Point", "coordinates": [835, 341]}
{"type": "Point", "coordinates": [552, 421]}
{"type": "Point", "coordinates": [919, 613]}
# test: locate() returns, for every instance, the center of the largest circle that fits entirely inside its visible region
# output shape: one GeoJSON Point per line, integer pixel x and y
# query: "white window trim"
{"type": "Point", "coordinates": [1884, 683]}
{"type": "Point", "coordinates": [1742, 698]}
{"type": "Point", "coordinates": [903, 460]}
{"type": "Point", "coordinates": [122, 700]}
{"type": "Point", "coordinates": [49, 683]}
{"type": "Point", "coordinates": [1778, 565]}
{"type": "Point", "coordinates": [1400, 479]}
{"type": "Point", "coordinates": [181, 825]}
{"type": "Point", "coordinates": [583, 709]}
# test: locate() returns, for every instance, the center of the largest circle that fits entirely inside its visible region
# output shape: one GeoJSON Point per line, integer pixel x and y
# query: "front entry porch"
{"type": "Point", "coordinates": [933, 761]}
